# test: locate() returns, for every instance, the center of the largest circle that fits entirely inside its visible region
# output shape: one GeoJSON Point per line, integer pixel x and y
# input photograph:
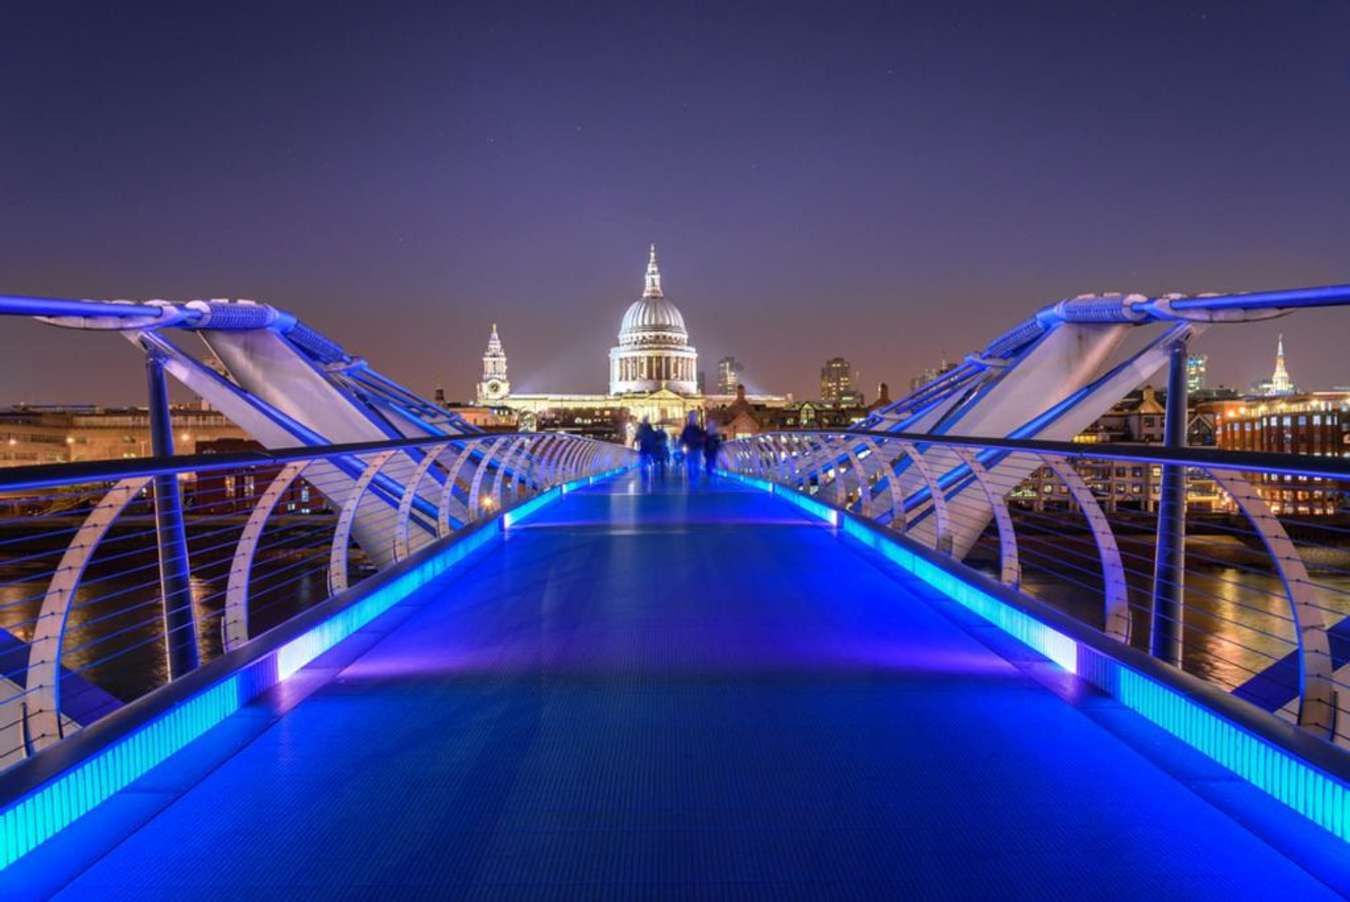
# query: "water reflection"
{"type": "Point", "coordinates": [1237, 616]}
{"type": "Point", "coordinates": [115, 631]}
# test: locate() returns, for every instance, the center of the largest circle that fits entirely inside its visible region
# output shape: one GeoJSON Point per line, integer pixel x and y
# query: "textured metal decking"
{"type": "Point", "coordinates": [684, 695]}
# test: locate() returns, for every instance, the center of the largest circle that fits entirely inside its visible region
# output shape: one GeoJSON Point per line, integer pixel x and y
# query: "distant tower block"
{"type": "Point", "coordinates": [1197, 365]}
{"type": "Point", "coordinates": [839, 383]}
{"type": "Point", "coordinates": [730, 372]}
{"type": "Point", "coordinates": [494, 387]}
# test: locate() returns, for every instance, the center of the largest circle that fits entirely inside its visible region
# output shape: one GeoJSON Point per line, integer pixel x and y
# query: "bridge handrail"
{"type": "Point", "coordinates": [1267, 625]}
{"type": "Point", "coordinates": [51, 475]}
{"type": "Point", "coordinates": [1253, 461]}
{"type": "Point", "coordinates": [98, 577]}
{"type": "Point", "coordinates": [36, 476]}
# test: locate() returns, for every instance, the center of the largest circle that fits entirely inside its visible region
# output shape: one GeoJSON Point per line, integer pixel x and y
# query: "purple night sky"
{"type": "Point", "coordinates": [885, 184]}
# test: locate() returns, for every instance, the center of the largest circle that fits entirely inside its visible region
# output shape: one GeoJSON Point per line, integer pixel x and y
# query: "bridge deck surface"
{"type": "Point", "coordinates": [685, 694]}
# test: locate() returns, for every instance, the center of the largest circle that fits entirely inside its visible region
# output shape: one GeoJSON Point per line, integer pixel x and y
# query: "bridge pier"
{"type": "Point", "coordinates": [1165, 636]}
{"type": "Point", "coordinates": [180, 624]}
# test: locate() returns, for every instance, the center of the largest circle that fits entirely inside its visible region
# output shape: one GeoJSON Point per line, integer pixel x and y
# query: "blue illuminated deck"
{"type": "Point", "coordinates": [657, 694]}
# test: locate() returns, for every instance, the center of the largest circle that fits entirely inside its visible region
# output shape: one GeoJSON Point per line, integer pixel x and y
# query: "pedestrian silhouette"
{"type": "Point", "coordinates": [691, 440]}
{"type": "Point", "coordinates": [712, 443]}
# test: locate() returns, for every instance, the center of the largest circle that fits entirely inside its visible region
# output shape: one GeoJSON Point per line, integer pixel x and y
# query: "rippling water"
{"type": "Point", "coordinates": [115, 632]}
{"type": "Point", "coordinates": [1237, 619]}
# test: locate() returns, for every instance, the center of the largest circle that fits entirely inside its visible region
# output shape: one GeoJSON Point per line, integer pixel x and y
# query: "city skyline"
{"type": "Point", "coordinates": [896, 184]}
{"type": "Point", "coordinates": [531, 450]}
{"type": "Point", "coordinates": [1254, 371]}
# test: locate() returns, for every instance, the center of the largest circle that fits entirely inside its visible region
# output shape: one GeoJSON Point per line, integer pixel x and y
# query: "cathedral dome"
{"type": "Point", "coordinates": [652, 318]}
{"type": "Point", "coordinates": [651, 315]}
{"type": "Point", "coordinates": [653, 353]}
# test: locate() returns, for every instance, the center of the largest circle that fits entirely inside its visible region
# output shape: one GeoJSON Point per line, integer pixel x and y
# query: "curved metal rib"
{"type": "Point", "coordinates": [1010, 567]}
{"type": "Point", "coordinates": [942, 536]}
{"type": "Point", "coordinates": [342, 533]}
{"type": "Point", "coordinates": [860, 477]}
{"type": "Point", "coordinates": [1317, 689]}
{"type": "Point", "coordinates": [572, 468]}
{"type": "Point", "coordinates": [448, 489]}
{"type": "Point", "coordinates": [234, 619]}
{"type": "Point", "coordinates": [405, 502]}
{"type": "Point", "coordinates": [494, 447]}
{"type": "Point", "coordinates": [44, 655]}
{"type": "Point", "coordinates": [897, 495]}
{"type": "Point", "coordinates": [1116, 595]}
{"type": "Point", "coordinates": [822, 450]}
{"type": "Point", "coordinates": [509, 461]}
{"type": "Point", "coordinates": [549, 459]}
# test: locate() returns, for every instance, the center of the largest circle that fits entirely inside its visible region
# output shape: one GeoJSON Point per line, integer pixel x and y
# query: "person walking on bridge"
{"type": "Point", "coordinates": [662, 452]}
{"type": "Point", "coordinates": [692, 439]}
{"type": "Point", "coordinates": [712, 443]}
{"type": "Point", "coordinates": [647, 448]}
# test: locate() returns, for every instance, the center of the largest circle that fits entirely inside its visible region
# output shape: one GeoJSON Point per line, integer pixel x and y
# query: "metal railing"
{"type": "Point", "coordinates": [88, 554]}
{"type": "Point", "coordinates": [1265, 586]}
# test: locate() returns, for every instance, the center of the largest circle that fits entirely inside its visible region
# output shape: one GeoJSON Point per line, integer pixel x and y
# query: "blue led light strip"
{"type": "Point", "coordinates": [792, 496]}
{"type": "Point", "coordinates": [42, 813]}
{"type": "Point", "coordinates": [51, 807]}
{"type": "Point", "coordinates": [521, 511]}
{"type": "Point", "coordinates": [1315, 794]}
{"type": "Point", "coordinates": [1020, 625]}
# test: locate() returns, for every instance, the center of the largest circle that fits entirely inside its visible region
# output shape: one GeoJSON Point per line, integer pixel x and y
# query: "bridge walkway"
{"type": "Point", "coordinates": [678, 694]}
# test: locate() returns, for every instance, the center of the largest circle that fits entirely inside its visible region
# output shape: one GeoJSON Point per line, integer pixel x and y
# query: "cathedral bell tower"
{"type": "Point", "coordinates": [494, 387]}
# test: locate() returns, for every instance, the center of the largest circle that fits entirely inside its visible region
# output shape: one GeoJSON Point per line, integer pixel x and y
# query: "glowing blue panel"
{"type": "Point", "coordinates": [42, 813]}
{"type": "Point", "coordinates": [308, 646]}
{"type": "Point", "coordinates": [762, 484]}
{"type": "Point", "coordinates": [806, 503]}
{"type": "Point", "coordinates": [591, 480]}
{"type": "Point", "coordinates": [1314, 794]}
{"type": "Point", "coordinates": [51, 807]}
{"type": "Point", "coordinates": [1031, 632]}
{"type": "Point", "coordinates": [520, 512]}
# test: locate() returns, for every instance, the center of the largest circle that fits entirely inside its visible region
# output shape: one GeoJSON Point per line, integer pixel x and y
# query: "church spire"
{"type": "Point", "coordinates": [653, 289]}
{"type": "Point", "coordinates": [1280, 383]}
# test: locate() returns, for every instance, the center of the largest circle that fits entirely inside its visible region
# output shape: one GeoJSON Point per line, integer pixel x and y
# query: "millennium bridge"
{"type": "Point", "coordinates": [393, 656]}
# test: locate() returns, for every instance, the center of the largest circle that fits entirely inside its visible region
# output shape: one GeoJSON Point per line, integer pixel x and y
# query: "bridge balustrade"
{"type": "Point", "coordinates": [269, 535]}
{"type": "Point", "coordinates": [1266, 582]}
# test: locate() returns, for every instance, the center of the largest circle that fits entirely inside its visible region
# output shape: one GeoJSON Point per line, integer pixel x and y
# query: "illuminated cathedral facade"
{"type": "Point", "coordinates": [653, 370]}
{"type": "Point", "coordinates": [653, 353]}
